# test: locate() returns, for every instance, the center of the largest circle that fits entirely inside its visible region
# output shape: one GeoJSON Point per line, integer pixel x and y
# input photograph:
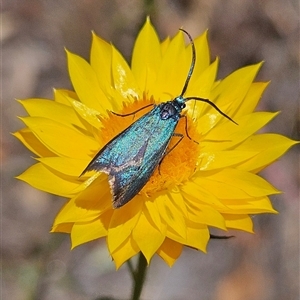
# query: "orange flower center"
{"type": "Point", "coordinates": [177, 166]}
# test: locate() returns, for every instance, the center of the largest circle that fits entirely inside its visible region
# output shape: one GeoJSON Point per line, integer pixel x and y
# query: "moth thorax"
{"type": "Point", "coordinates": [169, 110]}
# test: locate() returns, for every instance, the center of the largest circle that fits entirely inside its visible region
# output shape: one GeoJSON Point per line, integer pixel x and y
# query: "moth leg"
{"type": "Point", "coordinates": [221, 237]}
{"type": "Point", "coordinates": [181, 136]}
{"type": "Point", "coordinates": [132, 113]}
{"type": "Point", "coordinates": [187, 134]}
{"type": "Point", "coordinates": [174, 134]}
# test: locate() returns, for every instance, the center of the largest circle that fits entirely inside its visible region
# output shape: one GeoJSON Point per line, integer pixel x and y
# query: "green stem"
{"type": "Point", "coordinates": [138, 276]}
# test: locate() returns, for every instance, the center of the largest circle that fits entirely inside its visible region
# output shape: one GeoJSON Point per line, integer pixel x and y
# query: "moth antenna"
{"type": "Point", "coordinates": [192, 63]}
{"type": "Point", "coordinates": [211, 104]}
{"type": "Point", "coordinates": [189, 77]}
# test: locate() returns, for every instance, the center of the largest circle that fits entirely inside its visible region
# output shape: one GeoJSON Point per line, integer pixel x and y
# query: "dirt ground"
{"type": "Point", "coordinates": [39, 265]}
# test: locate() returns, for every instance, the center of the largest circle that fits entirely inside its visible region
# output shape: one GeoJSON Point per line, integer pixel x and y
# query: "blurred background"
{"type": "Point", "coordinates": [39, 265]}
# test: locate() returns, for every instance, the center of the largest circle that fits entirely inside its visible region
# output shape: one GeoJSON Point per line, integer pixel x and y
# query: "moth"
{"type": "Point", "coordinates": [132, 156]}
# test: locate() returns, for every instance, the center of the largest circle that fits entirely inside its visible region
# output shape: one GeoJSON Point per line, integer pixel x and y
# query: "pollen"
{"type": "Point", "coordinates": [180, 160]}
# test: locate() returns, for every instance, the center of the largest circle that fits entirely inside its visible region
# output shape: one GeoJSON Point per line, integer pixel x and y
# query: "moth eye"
{"type": "Point", "coordinates": [164, 114]}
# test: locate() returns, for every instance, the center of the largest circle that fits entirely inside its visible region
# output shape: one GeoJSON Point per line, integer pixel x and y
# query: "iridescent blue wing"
{"type": "Point", "coordinates": [132, 156]}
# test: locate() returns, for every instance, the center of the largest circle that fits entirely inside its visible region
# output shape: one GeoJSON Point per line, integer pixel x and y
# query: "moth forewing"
{"type": "Point", "coordinates": [131, 157]}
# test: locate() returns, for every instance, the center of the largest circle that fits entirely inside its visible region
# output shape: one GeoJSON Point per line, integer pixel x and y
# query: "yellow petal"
{"type": "Point", "coordinates": [234, 184]}
{"type": "Point", "coordinates": [65, 228]}
{"type": "Point", "coordinates": [197, 236]}
{"type": "Point", "coordinates": [222, 159]}
{"type": "Point", "coordinates": [242, 222]}
{"type": "Point", "coordinates": [233, 89]}
{"type": "Point", "coordinates": [52, 110]}
{"type": "Point", "coordinates": [177, 199]}
{"type": "Point", "coordinates": [152, 210]}
{"type": "Point", "coordinates": [269, 147]}
{"type": "Point", "coordinates": [87, 205]}
{"type": "Point", "coordinates": [125, 251]}
{"type": "Point", "coordinates": [147, 237]}
{"type": "Point", "coordinates": [204, 123]}
{"type": "Point", "coordinates": [85, 83]}
{"type": "Point", "coordinates": [164, 45]}
{"type": "Point", "coordinates": [31, 142]}
{"type": "Point", "coordinates": [202, 55]}
{"type": "Point", "coordinates": [169, 251]}
{"type": "Point", "coordinates": [199, 194]}
{"type": "Point", "coordinates": [201, 86]}
{"type": "Point", "coordinates": [88, 115]}
{"type": "Point", "coordinates": [204, 214]}
{"type": "Point", "coordinates": [146, 58]}
{"type": "Point", "coordinates": [84, 232]}
{"type": "Point", "coordinates": [40, 177]}
{"type": "Point", "coordinates": [60, 96]}
{"type": "Point", "coordinates": [171, 76]}
{"type": "Point", "coordinates": [253, 96]}
{"type": "Point", "coordinates": [231, 134]}
{"type": "Point", "coordinates": [122, 223]}
{"type": "Point", "coordinates": [123, 79]}
{"type": "Point", "coordinates": [101, 62]}
{"type": "Point", "coordinates": [65, 165]}
{"type": "Point", "coordinates": [62, 139]}
{"type": "Point", "coordinates": [249, 206]}
{"type": "Point", "coordinates": [171, 215]}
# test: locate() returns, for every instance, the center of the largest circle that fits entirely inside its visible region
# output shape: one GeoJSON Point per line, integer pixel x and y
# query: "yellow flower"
{"type": "Point", "coordinates": [212, 183]}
